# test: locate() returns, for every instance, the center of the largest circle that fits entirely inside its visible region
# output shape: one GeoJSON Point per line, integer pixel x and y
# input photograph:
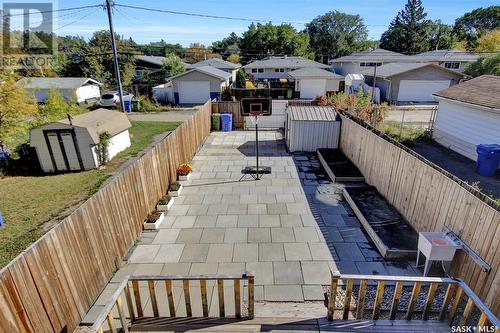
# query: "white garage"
{"type": "Point", "coordinates": [313, 82]}
{"type": "Point", "coordinates": [198, 85]}
{"type": "Point", "coordinates": [193, 92]}
{"type": "Point", "coordinates": [420, 90]}
{"type": "Point", "coordinates": [411, 82]}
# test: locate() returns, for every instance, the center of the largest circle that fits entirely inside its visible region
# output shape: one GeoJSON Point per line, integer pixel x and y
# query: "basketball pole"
{"type": "Point", "coordinates": [257, 145]}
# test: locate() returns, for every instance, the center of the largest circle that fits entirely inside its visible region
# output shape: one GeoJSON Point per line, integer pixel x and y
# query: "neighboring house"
{"type": "Point", "coordinates": [80, 88]}
{"type": "Point", "coordinates": [311, 82]}
{"type": "Point", "coordinates": [223, 65]}
{"type": "Point", "coordinates": [150, 64]}
{"type": "Point", "coordinates": [199, 84]}
{"type": "Point", "coordinates": [358, 62]}
{"type": "Point", "coordinates": [411, 82]}
{"type": "Point", "coordinates": [468, 115]}
{"type": "Point", "coordinates": [450, 59]}
{"type": "Point", "coordinates": [72, 146]}
{"type": "Point", "coordinates": [276, 68]}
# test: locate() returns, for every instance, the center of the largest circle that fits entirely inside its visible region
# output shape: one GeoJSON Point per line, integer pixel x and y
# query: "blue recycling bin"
{"type": "Point", "coordinates": [226, 120]}
{"type": "Point", "coordinates": [128, 106]}
{"type": "Point", "coordinates": [1, 220]}
{"type": "Point", "coordinates": [488, 159]}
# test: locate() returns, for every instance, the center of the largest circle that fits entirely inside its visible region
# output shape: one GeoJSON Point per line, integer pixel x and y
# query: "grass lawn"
{"type": "Point", "coordinates": [27, 203]}
{"type": "Point", "coordinates": [407, 135]}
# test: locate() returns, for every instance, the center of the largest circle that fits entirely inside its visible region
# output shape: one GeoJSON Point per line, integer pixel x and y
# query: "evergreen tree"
{"type": "Point", "coordinates": [408, 32]}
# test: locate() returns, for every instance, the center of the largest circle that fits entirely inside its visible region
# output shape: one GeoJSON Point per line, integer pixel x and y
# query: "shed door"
{"type": "Point", "coordinates": [64, 153]}
{"type": "Point", "coordinates": [312, 88]}
{"type": "Point", "coordinates": [420, 90]}
{"type": "Point", "coordinates": [194, 92]}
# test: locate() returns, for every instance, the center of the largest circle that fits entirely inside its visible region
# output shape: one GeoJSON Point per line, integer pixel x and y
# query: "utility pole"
{"type": "Point", "coordinates": [109, 5]}
{"type": "Point", "coordinates": [373, 115]}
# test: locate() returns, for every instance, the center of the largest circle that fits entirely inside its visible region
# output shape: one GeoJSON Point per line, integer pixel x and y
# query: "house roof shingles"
{"type": "Point", "coordinates": [483, 91]}
{"type": "Point", "coordinates": [376, 55]}
{"type": "Point", "coordinates": [285, 62]}
{"type": "Point", "coordinates": [445, 55]}
{"type": "Point", "coordinates": [156, 60]}
{"type": "Point", "coordinates": [55, 82]}
{"type": "Point", "coordinates": [209, 70]}
{"type": "Point", "coordinates": [396, 68]}
{"type": "Point", "coordinates": [313, 72]}
{"type": "Point", "coordinates": [217, 63]}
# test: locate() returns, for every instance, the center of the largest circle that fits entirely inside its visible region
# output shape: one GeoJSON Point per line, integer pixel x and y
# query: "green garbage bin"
{"type": "Point", "coordinates": [136, 105]}
{"type": "Point", "coordinates": [216, 122]}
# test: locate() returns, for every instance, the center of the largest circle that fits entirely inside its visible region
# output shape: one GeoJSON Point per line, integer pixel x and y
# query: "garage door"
{"type": "Point", "coordinates": [420, 90]}
{"type": "Point", "coordinates": [194, 92]}
{"type": "Point", "coordinates": [312, 88]}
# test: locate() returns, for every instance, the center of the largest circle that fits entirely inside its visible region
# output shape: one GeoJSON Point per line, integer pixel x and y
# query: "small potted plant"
{"type": "Point", "coordinates": [165, 203]}
{"type": "Point", "coordinates": [184, 171]}
{"type": "Point", "coordinates": [175, 189]}
{"type": "Point", "coordinates": [153, 220]}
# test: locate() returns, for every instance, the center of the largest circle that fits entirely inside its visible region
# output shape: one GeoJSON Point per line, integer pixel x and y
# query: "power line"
{"type": "Point", "coordinates": [232, 18]}
{"type": "Point", "coordinates": [52, 11]}
{"type": "Point", "coordinates": [76, 21]}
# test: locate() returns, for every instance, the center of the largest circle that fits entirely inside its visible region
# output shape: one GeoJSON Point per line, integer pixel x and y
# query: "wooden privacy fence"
{"type": "Point", "coordinates": [52, 285]}
{"type": "Point", "coordinates": [431, 199]}
{"type": "Point", "coordinates": [230, 107]}
{"type": "Point", "coordinates": [163, 290]}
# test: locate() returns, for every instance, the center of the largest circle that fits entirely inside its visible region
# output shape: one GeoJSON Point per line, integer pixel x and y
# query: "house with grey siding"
{"type": "Point", "coordinates": [79, 89]}
{"type": "Point", "coordinates": [468, 115]}
{"type": "Point", "coordinates": [411, 82]}
{"type": "Point", "coordinates": [199, 84]}
{"type": "Point", "coordinates": [450, 59]}
{"type": "Point", "coordinates": [276, 68]}
{"type": "Point", "coordinates": [357, 62]}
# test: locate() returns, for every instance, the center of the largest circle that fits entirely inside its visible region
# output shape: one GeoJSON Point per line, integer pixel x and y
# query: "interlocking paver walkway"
{"type": "Point", "coordinates": [290, 228]}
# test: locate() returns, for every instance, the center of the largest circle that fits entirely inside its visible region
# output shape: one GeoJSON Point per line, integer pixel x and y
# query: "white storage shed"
{"type": "Point", "coordinates": [311, 127]}
{"type": "Point", "coordinates": [66, 145]}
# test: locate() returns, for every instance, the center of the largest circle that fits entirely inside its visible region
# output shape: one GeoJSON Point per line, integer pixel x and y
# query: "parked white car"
{"type": "Point", "coordinates": [111, 98]}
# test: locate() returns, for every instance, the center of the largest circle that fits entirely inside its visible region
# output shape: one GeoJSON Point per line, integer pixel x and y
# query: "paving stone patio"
{"type": "Point", "coordinates": [290, 229]}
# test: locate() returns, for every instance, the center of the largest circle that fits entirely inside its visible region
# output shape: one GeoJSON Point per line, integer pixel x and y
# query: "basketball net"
{"type": "Point", "coordinates": [254, 117]}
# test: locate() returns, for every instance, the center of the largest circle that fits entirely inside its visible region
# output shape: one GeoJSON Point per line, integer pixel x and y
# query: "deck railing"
{"type": "Point", "coordinates": [130, 289]}
{"type": "Point", "coordinates": [456, 290]}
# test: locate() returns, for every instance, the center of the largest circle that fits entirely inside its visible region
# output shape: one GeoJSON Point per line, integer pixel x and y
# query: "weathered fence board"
{"type": "Point", "coordinates": [429, 199]}
{"type": "Point", "coordinates": [52, 285]}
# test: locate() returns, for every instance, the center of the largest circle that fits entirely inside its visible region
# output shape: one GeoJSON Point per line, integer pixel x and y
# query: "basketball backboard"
{"type": "Point", "coordinates": [261, 106]}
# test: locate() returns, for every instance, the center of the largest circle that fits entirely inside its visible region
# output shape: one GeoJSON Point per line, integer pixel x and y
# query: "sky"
{"type": "Point", "coordinates": [145, 27]}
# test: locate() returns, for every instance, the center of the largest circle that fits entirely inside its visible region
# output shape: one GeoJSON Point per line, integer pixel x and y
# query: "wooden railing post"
{"type": "Point", "coordinates": [187, 298]}
{"type": "Point", "coordinates": [378, 299]}
{"type": "Point", "coordinates": [237, 299]}
{"type": "Point", "coordinates": [130, 307]}
{"type": "Point", "coordinates": [333, 294]}
{"type": "Point", "coordinates": [347, 299]}
{"type": "Point", "coordinates": [220, 289]}
{"type": "Point", "coordinates": [251, 297]}
{"type": "Point", "coordinates": [361, 299]}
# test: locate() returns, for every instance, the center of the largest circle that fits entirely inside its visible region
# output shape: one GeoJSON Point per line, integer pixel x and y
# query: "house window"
{"type": "Point", "coordinates": [370, 64]}
{"type": "Point", "coordinates": [279, 70]}
{"type": "Point", "coordinates": [254, 70]}
{"type": "Point", "coordinates": [261, 70]}
{"type": "Point", "coordinates": [452, 65]}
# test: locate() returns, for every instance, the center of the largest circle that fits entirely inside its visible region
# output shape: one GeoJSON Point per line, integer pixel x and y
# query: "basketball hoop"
{"type": "Point", "coordinates": [255, 108]}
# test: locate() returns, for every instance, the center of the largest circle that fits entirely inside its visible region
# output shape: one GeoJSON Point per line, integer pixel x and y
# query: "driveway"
{"type": "Point", "coordinates": [291, 229]}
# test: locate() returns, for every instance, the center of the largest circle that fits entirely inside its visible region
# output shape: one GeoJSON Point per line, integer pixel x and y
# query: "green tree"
{"type": "Point", "coordinates": [241, 78]}
{"type": "Point", "coordinates": [227, 46]}
{"type": "Point", "coordinates": [161, 48]}
{"type": "Point", "coordinates": [484, 65]}
{"type": "Point", "coordinates": [489, 42]}
{"type": "Point", "coordinates": [472, 25]}
{"type": "Point", "coordinates": [409, 31]}
{"type": "Point", "coordinates": [234, 58]}
{"type": "Point", "coordinates": [57, 107]}
{"type": "Point", "coordinates": [440, 36]}
{"type": "Point", "coordinates": [103, 65]}
{"type": "Point", "coordinates": [336, 34]}
{"type": "Point", "coordinates": [173, 65]}
{"type": "Point", "coordinates": [76, 58]}
{"type": "Point", "coordinates": [17, 109]}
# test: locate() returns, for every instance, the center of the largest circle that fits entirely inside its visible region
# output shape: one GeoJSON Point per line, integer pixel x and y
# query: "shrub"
{"type": "Point", "coordinates": [147, 105]}
{"type": "Point", "coordinates": [153, 216]}
{"type": "Point", "coordinates": [175, 186]}
{"type": "Point", "coordinates": [164, 199]}
{"type": "Point", "coordinates": [184, 169]}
